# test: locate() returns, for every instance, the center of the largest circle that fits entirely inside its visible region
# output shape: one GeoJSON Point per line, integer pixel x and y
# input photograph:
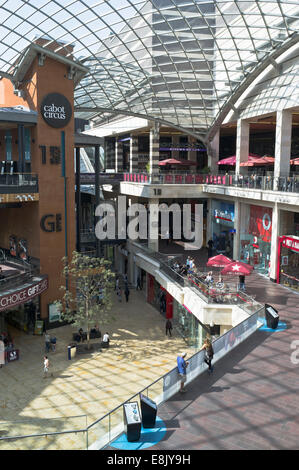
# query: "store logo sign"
{"type": "Point", "coordinates": [56, 110]}
{"type": "Point", "coordinates": [51, 223]}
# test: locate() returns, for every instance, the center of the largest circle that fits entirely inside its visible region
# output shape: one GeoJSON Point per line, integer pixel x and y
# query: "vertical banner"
{"type": "Point", "coordinates": [260, 223]}
{"type": "Point", "coordinates": [169, 305]}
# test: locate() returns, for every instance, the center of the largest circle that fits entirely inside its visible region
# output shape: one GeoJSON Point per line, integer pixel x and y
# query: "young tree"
{"type": "Point", "coordinates": [87, 297]}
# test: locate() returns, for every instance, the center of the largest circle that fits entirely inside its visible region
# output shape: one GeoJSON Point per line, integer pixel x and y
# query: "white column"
{"type": "Point", "coordinates": [242, 145]}
{"type": "Point", "coordinates": [283, 138]}
{"type": "Point", "coordinates": [118, 156]}
{"type": "Point", "coordinates": [213, 153]}
{"type": "Point", "coordinates": [153, 225]}
{"type": "Point", "coordinates": [154, 149]}
{"type": "Point", "coordinates": [274, 242]}
{"type": "Point", "coordinates": [237, 223]}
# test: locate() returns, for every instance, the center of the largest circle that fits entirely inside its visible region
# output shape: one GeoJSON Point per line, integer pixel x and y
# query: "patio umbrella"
{"type": "Point", "coordinates": [295, 161]}
{"type": "Point", "coordinates": [232, 160]}
{"type": "Point", "coordinates": [219, 261]}
{"type": "Point", "coordinates": [169, 161]}
{"type": "Point", "coordinates": [237, 268]}
{"type": "Point", "coordinates": [259, 161]}
{"type": "Point", "coordinates": [174, 161]}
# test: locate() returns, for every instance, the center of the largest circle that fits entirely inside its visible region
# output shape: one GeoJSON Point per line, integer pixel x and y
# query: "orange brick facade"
{"type": "Point", "coordinates": [49, 247]}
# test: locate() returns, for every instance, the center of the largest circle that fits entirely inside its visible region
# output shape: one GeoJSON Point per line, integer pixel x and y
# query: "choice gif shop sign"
{"type": "Point", "coordinates": [22, 296]}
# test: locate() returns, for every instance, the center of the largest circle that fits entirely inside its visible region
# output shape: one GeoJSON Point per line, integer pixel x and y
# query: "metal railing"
{"type": "Point", "coordinates": [106, 429]}
{"type": "Point", "coordinates": [28, 271]}
{"type": "Point", "coordinates": [285, 184]}
{"type": "Point", "coordinates": [103, 431]}
{"type": "Point", "coordinates": [18, 182]}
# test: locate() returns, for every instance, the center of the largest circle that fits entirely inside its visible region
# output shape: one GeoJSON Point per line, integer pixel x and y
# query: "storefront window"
{"type": "Point", "coordinates": [255, 239]}
{"type": "Point", "coordinates": [223, 217]}
{"type": "Point", "coordinates": [187, 326]}
{"type": "Point", "coordinates": [289, 262]}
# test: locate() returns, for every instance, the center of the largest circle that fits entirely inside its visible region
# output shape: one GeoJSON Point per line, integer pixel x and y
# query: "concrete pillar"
{"type": "Point", "coordinates": [274, 242]}
{"type": "Point", "coordinates": [153, 225]}
{"type": "Point", "coordinates": [118, 156]}
{"type": "Point", "coordinates": [237, 223]}
{"type": "Point", "coordinates": [175, 144]}
{"type": "Point", "coordinates": [213, 153]}
{"type": "Point", "coordinates": [192, 154]}
{"type": "Point", "coordinates": [154, 149]}
{"type": "Point", "coordinates": [283, 140]}
{"type": "Point", "coordinates": [209, 233]}
{"type": "Point", "coordinates": [242, 145]}
{"type": "Point", "coordinates": [134, 154]}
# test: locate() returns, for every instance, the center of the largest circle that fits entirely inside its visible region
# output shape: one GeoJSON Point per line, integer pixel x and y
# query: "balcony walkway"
{"type": "Point", "coordinates": [251, 401]}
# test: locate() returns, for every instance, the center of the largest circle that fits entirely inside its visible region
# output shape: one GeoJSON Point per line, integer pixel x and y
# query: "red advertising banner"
{"type": "Point", "coordinates": [169, 305]}
{"type": "Point", "coordinates": [260, 223]}
{"type": "Point", "coordinates": [23, 295]}
{"type": "Point", "coordinates": [290, 242]}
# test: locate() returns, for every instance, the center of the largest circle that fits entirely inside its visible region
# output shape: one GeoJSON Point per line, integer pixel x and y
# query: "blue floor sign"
{"type": "Point", "coordinates": [148, 438]}
{"type": "Point", "coordinates": [280, 327]}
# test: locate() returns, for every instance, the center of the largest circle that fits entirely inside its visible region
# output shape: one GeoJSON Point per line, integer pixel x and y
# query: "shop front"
{"type": "Point", "coordinates": [187, 325]}
{"type": "Point", "coordinates": [288, 261]}
{"type": "Point", "coordinates": [255, 237]}
{"type": "Point", "coordinates": [223, 216]}
{"type": "Point", "coordinates": [21, 307]}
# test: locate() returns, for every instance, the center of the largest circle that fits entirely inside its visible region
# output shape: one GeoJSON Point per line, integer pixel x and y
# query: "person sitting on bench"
{"type": "Point", "coordinates": [106, 340]}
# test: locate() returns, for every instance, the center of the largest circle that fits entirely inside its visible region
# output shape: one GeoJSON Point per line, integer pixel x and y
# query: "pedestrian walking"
{"type": "Point", "coordinates": [53, 343]}
{"type": "Point", "coordinates": [127, 293]}
{"type": "Point", "coordinates": [242, 282]}
{"type": "Point", "coordinates": [168, 327]}
{"type": "Point", "coordinates": [209, 354]}
{"type": "Point", "coordinates": [47, 366]}
{"type": "Point", "coordinates": [139, 286]}
{"type": "Point", "coordinates": [182, 365]}
{"type": "Point", "coordinates": [210, 248]}
{"type": "Point", "coordinates": [47, 342]}
{"type": "Point", "coordinates": [118, 293]}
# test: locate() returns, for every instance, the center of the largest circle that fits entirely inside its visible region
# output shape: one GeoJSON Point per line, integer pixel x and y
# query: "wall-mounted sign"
{"type": "Point", "coordinates": [54, 313]}
{"type": "Point", "coordinates": [56, 110]}
{"type": "Point", "coordinates": [51, 223]}
{"type": "Point", "coordinates": [23, 295]}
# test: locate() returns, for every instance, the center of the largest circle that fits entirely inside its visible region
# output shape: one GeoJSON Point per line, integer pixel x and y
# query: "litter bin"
{"type": "Point", "coordinates": [71, 351]}
{"type": "Point", "coordinates": [272, 317]}
{"type": "Point", "coordinates": [148, 411]}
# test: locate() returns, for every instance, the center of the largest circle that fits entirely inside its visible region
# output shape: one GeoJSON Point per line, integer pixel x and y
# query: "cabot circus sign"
{"type": "Point", "coordinates": [23, 295]}
{"type": "Point", "coordinates": [56, 110]}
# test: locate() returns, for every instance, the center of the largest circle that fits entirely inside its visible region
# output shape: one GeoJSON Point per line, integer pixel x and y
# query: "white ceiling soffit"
{"type": "Point", "coordinates": [176, 61]}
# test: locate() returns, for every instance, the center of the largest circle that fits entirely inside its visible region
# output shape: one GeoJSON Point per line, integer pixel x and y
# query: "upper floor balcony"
{"type": "Point", "coordinates": [284, 190]}
{"type": "Point", "coordinates": [270, 183]}
{"type": "Point", "coordinates": [19, 183]}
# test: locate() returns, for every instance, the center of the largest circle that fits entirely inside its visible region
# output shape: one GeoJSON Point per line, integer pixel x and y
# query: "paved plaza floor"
{"type": "Point", "coordinates": [89, 386]}
{"type": "Point", "coordinates": [250, 402]}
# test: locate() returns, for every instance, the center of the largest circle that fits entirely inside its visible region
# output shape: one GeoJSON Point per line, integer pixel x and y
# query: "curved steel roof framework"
{"type": "Point", "coordinates": [179, 62]}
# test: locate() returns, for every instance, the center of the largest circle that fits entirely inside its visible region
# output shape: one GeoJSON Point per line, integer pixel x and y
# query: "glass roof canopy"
{"type": "Point", "coordinates": [180, 62]}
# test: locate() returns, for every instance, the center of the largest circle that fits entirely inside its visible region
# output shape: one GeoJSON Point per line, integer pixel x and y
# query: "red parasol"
{"type": "Point", "coordinates": [237, 268]}
{"type": "Point", "coordinates": [232, 160]}
{"type": "Point", "coordinates": [174, 161]}
{"type": "Point", "coordinates": [219, 261]}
